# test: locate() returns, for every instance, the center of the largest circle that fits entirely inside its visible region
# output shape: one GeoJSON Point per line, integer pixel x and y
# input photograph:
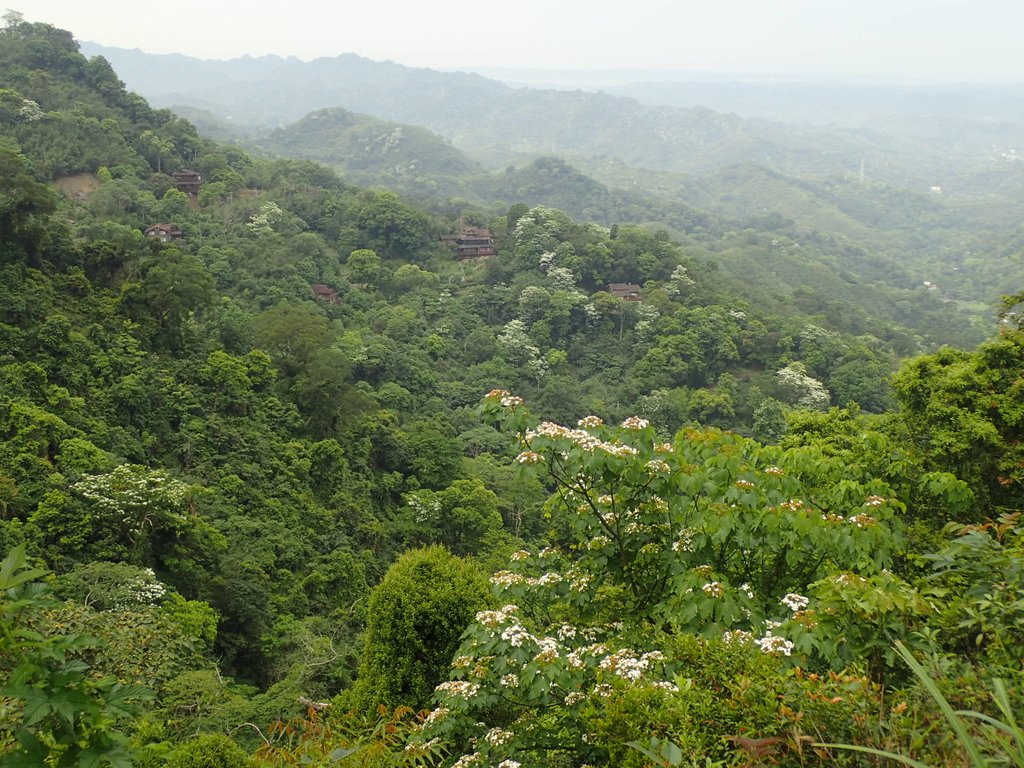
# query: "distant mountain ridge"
{"type": "Point", "coordinates": [425, 167]}
{"type": "Point", "coordinates": [936, 202]}
{"type": "Point", "coordinates": [476, 113]}
{"type": "Point", "coordinates": [271, 91]}
{"type": "Point", "coordinates": [360, 142]}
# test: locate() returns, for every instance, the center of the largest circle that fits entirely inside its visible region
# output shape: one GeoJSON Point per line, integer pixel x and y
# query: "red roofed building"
{"type": "Point", "coordinates": [323, 292]}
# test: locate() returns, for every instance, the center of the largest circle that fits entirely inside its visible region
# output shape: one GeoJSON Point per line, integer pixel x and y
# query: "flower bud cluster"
{"type": "Point", "coordinates": [462, 689]}
{"type": "Point", "coordinates": [775, 645]}
{"type": "Point", "coordinates": [635, 423]}
{"type": "Point", "coordinates": [580, 437]}
{"type": "Point", "coordinates": [863, 520]}
{"type": "Point", "coordinates": [628, 665]}
{"type": "Point", "coordinates": [493, 619]}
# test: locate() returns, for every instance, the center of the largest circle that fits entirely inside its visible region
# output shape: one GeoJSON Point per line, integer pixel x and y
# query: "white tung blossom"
{"type": "Point", "coordinates": [498, 736]}
{"type": "Point", "coordinates": [735, 636]}
{"type": "Point", "coordinates": [529, 457]}
{"type": "Point", "coordinates": [713, 589]}
{"type": "Point", "coordinates": [775, 645]}
{"type": "Point", "coordinates": [494, 619]}
{"type": "Point", "coordinates": [424, 509]}
{"type": "Point", "coordinates": [626, 664]}
{"type": "Point", "coordinates": [580, 437]}
{"type": "Point", "coordinates": [30, 111]}
{"type": "Point", "coordinates": [795, 602]}
{"type": "Point", "coordinates": [656, 466]}
{"type": "Point", "coordinates": [563, 278]}
{"type": "Point", "coordinates": [516, 635]}
{"type": "Point", "coordinates": [863, 520]}
{"type": "Point", "coordinates": [262, 223]}
{"type": "Point", "coordinates": [635, 423]}
{"type": "Point", "coordinates": [435, 715]}
{"type": "Point", "coordinates": [462, 689]}
{"type": "Point", "coordinates": [806, 391]}
{"type": "Point", "coordinates": [506, 579]}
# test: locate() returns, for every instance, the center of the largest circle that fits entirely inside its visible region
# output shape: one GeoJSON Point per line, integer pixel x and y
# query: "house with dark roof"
{"type": "Point", "coordinates": [625, 291]}
{"type": "Point", "coordinates": [471, 243]}
{"type": "Point", "coordinates": [165, 233]}
{"type": "Point", "coordinates": [187, 181]}
{"type": "Point", "coordinates": [324, 293]}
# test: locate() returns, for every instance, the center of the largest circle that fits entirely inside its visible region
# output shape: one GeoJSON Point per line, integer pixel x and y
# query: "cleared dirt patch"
{"type": "Point", "coordinates": [78, 187]}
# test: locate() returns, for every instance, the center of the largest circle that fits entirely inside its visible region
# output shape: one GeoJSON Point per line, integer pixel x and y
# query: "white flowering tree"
{"type": "Point", "coordinates": [539, 231]}
{"type": "Point", "coordinates": [262, 222]}
{"type": "Point", "coordinates": [802, 390]}
{"type": "Point", "coordinates": [534, 302]}
{"type": "Point", "coordinates": [132, 514]}
{"type": "Point", "coordinates": [563, 278]}
{"type": "Point", "coordinates": [520, 350]}
{"type": "Point", "coordinates": [679, 283]}
{"type": "Point", "coordinates": [646, 326]}
{"type": "Point", "coordinates": [711, 535]}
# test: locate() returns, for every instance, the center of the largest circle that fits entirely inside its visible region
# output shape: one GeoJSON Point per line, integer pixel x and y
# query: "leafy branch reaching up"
{"type": "Point", "coordinates": [62, 715]}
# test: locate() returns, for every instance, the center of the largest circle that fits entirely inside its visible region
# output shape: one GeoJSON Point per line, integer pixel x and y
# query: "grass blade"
{"type": "Point", "coordinates": [878, 753]}
{"type": "Point", "coordinates": [956, 723]}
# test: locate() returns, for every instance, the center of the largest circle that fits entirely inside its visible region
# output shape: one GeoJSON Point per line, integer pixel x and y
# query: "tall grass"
{"type": "Point", "coordinates": [1000, 743]}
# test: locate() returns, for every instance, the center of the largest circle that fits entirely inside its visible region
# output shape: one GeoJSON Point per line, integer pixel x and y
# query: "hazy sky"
{"type": "Point", "coordinates": [924, 39]}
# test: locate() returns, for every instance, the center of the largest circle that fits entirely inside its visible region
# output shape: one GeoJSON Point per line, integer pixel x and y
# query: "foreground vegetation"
{"type": "Point", "coordinates": [241, 525]}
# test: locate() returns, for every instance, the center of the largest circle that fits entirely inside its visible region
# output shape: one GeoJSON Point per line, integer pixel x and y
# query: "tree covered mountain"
{"type": "Point", "coordinates": [868, 242]}
{"type": "Point", "coordinates": [866, 195]}
{"type": "Point", "coordinates": [280, 479]}
{"type": "Point", "coordinates": [478, 114]}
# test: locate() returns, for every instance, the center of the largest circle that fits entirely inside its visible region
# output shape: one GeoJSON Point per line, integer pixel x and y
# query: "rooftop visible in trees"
{"type": "Point", "coordinates": [471, 243]}
{"type": "Point", "coordinates": [187, 181]}
{"type": "Point", "coordinates": [627, 291]}
{"type": "Point", "coordinates": [323, 292]}
{"type": "Point", "coordinates": [165, 233]}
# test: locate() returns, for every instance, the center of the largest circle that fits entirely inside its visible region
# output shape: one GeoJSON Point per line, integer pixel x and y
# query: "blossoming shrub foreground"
{"type": "Point", "coordinates": [687, 590]}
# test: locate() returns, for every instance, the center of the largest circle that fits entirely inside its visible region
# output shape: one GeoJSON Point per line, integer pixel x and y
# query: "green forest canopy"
{"type": "Point", "coordinates": [205, 474]}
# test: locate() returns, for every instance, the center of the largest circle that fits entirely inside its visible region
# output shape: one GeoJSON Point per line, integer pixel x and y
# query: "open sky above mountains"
{"type": "Point", "coordinates": [929, 40]}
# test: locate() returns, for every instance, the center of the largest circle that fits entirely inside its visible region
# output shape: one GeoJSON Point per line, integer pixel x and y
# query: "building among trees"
{"type": "Point", "coordinates": [471, 243]}
{"type": "Point", "coordinates": [187, 181]}
{"type": "Point", "coordinates": [626, 291]}
{"type": "Point", "coordinates": [165, 233]}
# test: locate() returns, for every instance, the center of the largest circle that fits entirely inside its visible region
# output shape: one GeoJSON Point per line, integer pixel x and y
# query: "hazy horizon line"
{"type": "Point", "coordinates": [663, 75]}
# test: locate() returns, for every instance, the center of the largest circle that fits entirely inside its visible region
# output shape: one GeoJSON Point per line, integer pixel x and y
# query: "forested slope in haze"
{"type": "Point", "coordinates": [921, 190]}
{"type": "Point", "coordinates": [274, 490]}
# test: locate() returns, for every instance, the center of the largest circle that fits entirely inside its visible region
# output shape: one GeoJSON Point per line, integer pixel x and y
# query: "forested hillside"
{"type": "Point", "coordinates": [272, 491]}
{"type": "Point", "coordinates": [907, 136]}
{"type": "Point", "coordinates": [917, 190]}
{"type": "Point", "coordinates": [866, 256]}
